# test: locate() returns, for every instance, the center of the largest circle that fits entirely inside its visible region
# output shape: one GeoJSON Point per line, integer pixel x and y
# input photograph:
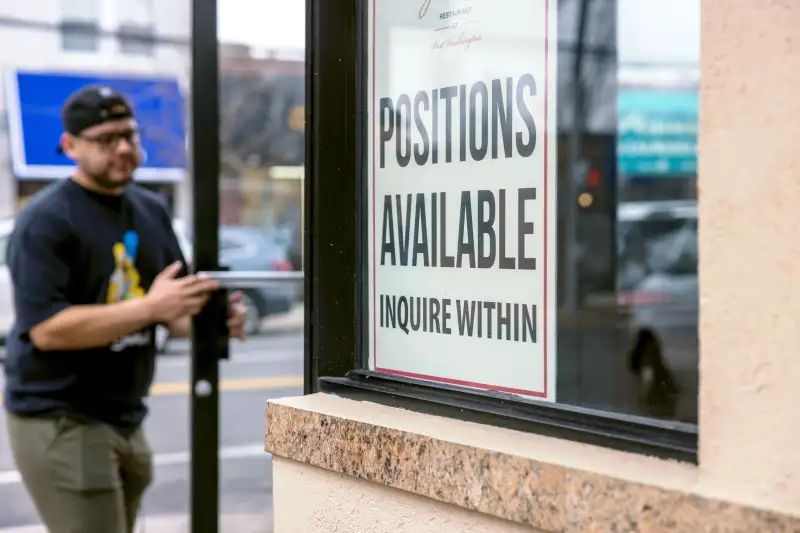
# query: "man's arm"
{"type": "Point", "coordinates": [90, 326]}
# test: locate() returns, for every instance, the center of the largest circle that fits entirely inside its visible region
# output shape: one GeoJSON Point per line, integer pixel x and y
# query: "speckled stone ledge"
{"type": "Point", "coordinates": [550, 497]}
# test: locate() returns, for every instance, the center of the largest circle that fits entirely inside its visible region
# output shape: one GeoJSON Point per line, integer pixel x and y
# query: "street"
{"type": "Point", "coordinates": [267, 366]}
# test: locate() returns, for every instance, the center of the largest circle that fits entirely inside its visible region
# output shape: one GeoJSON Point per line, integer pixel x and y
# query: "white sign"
{"type": "Point", "coordinates": [462, 192]}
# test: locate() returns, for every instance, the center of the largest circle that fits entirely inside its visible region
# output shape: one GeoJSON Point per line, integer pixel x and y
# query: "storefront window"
{"type": "Point", "coordinates": [531, 185]}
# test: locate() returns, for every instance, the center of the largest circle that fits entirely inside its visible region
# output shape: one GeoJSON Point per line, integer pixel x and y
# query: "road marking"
{"type": "Point", "coordinates": [180, 361]}
{"type": "Point", "coordinates": [176, 388]}
{"type": "Point", "coordinates": [11, 477]}
{"type": "Point", "coordinates": [173, 388]}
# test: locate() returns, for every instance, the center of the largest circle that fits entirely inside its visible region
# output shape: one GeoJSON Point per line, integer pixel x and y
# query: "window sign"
{"type": "Point", "coordinates": [462, 192]}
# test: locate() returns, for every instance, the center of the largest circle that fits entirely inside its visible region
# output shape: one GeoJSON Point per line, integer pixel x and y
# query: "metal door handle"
{"type": "Point", "coordinates": [249, 280]}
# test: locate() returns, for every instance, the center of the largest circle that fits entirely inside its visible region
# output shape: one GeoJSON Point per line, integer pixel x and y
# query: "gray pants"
{"type": "Point", "coordinates": [83, 478]}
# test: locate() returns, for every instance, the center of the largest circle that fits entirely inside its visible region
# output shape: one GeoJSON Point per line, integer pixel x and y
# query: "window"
{"type": "Point", "coordinates": [136, 40]}
{"type": "Point", "coordinates": [3, 250]}
{"type": "Point", "coordinates": [80, 25]}
{"type": "Point", "coordinates": [136, 27]}
{"type": "Point", "coordinates": [527, 217]}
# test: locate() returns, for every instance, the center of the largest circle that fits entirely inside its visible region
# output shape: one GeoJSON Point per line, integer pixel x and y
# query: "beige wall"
{"type": "Point", "coordinates": [749, 186]}
{"type": "Point", "coordinates": [749, 179]}
{"type": "Point", "coordinates": [319, 501]}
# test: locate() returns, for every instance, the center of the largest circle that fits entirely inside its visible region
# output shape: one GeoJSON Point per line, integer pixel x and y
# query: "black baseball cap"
{"type": "Point", "coordinates": [93, 105]}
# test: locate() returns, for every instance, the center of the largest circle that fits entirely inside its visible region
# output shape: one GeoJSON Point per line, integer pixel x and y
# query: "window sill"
{"type": "Point", "coordinates": [552, 484]}
{"type": "Point", "coordinates": [659, 438]}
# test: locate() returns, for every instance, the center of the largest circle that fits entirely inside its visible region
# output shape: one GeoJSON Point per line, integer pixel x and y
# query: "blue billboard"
{"type": "Point", "coordinates": [34, 100]}
{"type": "Point", "coordinates": [657, 133]}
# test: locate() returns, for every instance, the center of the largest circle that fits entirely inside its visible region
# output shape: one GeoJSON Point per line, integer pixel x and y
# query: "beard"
{"type": "Point", "coordinates": [111, 176]}
{"type": "Point", "coordinates": [106, 182]}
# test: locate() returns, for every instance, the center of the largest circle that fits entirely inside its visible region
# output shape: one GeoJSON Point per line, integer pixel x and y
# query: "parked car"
{"type": "Point", "coordinates": [6, 294]}
{"type": "Point", "coordinates": [248, 248]}
{"type": "Point", "coordinates": [658, 284]}
{"type": "Point", "coordinates": [292, 240]}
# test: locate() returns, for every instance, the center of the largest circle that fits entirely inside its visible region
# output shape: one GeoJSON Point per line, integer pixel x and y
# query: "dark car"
{"type": "Point", "coordinates": [248, 248]}
{"type": "Point", "coordinates": [245, 248]}
{"type": "Point", "coordinates": [291, 238]}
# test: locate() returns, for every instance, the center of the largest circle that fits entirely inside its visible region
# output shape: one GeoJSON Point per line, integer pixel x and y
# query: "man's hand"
{"type": "Point", "coordinates": [237, 315]}
{"type": "Point", "coordinates": [169, 298]}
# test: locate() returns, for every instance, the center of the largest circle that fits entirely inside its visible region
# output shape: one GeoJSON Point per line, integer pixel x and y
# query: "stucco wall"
{"type": "Point", "coordinates": [749, 187]}
{"type": "Point", "coordinates": [320, 501]}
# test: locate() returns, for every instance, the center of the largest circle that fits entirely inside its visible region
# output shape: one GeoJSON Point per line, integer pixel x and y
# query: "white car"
{"type": "Point", "coordinates": [6, 296]}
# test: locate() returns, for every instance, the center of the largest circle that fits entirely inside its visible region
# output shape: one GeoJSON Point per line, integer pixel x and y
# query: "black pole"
{"type": "Point", "coordinates": [209, 342]}
{"type": "Point", "coordinates": [309, 368]}
{"type": "Point", "coordinates": [577, 172]}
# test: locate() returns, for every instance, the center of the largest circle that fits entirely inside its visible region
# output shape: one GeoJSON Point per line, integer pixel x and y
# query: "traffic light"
{"type": "Point", "coordinates": [589, 188]}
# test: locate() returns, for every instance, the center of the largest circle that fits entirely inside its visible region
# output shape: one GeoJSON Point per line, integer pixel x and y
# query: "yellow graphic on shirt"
{"type": "Point", "coordinates": [125, 281]}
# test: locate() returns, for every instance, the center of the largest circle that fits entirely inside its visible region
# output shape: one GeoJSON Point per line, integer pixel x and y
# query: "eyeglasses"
{"type": "Point", "coordinates": [111, 140]}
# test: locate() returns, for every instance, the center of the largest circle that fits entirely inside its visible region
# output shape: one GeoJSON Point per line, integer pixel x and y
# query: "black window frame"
{"type": "Point", "coordinates": [336, 269]}
{"type": "Point", "coordinates": [73, 27]}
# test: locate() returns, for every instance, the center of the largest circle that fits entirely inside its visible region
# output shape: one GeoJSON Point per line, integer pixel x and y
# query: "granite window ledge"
{"type": "Point", "coordinates": [553, 485]}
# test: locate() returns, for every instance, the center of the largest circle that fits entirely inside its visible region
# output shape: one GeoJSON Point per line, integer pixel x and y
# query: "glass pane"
{"type": "Point", "coordinates": [535, 197]}
{"type": "Point", "coordinates": [80, 38]}
{"type": "Point", "coordinates": [3, 249]}
{"type": "Point", "coordinates": [261, 192]}
{"type": "Point", "coordinates": [136, 41]}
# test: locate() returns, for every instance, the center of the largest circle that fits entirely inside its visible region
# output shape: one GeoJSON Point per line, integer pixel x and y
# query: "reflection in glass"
{"type": "Point", "coordinates": [628, 289]}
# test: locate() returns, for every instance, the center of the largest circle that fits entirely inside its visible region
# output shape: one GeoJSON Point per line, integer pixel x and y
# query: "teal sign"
{"type": "Point", "coordinates": [657, 133]}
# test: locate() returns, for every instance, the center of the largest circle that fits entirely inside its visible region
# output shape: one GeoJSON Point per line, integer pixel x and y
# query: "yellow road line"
{"type": "Point", "coordinates": [177, 388]}
{"type": "Point", "coordinates": [173, 388]}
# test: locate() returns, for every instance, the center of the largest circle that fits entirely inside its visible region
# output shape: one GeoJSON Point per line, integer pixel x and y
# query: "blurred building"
{"type": "Point", "coordinates": [262, 135]}
{"type": "Point", "coordinates": [48, 47]}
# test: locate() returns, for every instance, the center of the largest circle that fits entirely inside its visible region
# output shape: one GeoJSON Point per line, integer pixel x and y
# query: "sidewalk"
{"type": "Point", "coordinates": [253, 523]}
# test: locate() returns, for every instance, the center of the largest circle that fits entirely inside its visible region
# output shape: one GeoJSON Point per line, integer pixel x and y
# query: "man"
{"type": "Point", "coordinates": [95, 267]}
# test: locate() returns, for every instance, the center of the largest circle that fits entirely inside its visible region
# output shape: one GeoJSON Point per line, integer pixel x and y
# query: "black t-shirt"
{"type": "Point", "coordinates": [71, 246]}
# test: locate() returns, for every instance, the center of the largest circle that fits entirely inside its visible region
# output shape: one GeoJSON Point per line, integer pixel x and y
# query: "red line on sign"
{"type": "Point", "coordinates": [460, 382]}
{"type": "Point", "coordinates": [439, 379]}
{"type": "Point", "coordinates": [374, 260]}
{"type": "Point", "coordinates": [546, 214]}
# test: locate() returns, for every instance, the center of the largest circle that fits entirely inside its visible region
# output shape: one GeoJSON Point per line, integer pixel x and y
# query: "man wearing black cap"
{"type": "Point", "coordinates": [95, 267]}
